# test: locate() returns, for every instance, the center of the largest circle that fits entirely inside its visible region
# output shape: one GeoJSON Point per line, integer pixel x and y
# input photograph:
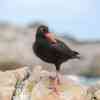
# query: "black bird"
{"type": "Point", "coordinates": [52, 50]}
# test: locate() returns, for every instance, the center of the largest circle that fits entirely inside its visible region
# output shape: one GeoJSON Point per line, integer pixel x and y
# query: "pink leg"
{"type": "Point", "coordinates": [55, 83]}
{"type": "Point", "coordinates": [58, 78]}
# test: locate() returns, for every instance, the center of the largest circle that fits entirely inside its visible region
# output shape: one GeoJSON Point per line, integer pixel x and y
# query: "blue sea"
{"type": "Point", "coordinates": [89, 80]}
{"type": "Point", "coordinates": [84, 80]}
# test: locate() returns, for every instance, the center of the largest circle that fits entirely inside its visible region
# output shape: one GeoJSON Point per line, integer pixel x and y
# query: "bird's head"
{"type": "Point", "coordinates": [43, 32]}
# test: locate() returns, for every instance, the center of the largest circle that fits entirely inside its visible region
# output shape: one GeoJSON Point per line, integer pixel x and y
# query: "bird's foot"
{"type": "Point", "coordinates": [52, 78]}
{"type": "Point", "coordinates": [55, 90]}
{"type": "Point", "coordinates": [55, 82]}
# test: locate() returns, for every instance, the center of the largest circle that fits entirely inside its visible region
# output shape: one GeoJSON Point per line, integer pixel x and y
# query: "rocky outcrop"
{"type": "Point", "coordinates": [8, 81]}
{"type": "Point", "coordinates": [39, 86]}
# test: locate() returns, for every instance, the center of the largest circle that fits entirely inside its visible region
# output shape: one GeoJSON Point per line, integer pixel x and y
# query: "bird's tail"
{"type": "Point", "coordinates": [76, 55]}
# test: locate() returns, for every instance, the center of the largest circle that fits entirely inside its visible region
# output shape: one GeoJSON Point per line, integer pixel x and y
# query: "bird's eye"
{"type": "Point", "coordinates": [43, 30]}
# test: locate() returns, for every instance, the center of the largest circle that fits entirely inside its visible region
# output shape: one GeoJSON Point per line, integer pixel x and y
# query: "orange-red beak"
{"type": "Point", "coordinates": [50, 37]}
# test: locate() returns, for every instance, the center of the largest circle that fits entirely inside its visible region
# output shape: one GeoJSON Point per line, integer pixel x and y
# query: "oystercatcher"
{"type": "Point", "coordinates": [52, 50]}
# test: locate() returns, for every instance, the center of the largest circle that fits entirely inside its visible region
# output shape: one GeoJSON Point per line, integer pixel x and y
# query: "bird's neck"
{"type": "Point", "coordinates": [39, 36]}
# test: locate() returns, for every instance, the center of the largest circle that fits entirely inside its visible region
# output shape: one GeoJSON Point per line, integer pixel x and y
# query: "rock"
{"type": "Point", "coordinates": [21, 73]}
{"type": "Point", "coordinates": [68, 89]}
{"type": "Point", "coordinates": [38, 73]}
{"type": "Point", "coordinates": [97, 95]}
{"type": "Point", "coordinates": [35, 75]}
{"type": "Point", "coordinates": [93, 91]}
{"type": "Point", "coordinates": [8, 81]}
{"type": "Point", "coordinates": [66, 92]}
{"type": "Point", "coordinates": [40, 87]}
{"type": "Point", "coordinates": [6, 92]}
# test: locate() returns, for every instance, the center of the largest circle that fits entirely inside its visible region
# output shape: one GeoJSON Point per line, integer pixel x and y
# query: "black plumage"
{"type": "Point", "coordinates": [52, 51]}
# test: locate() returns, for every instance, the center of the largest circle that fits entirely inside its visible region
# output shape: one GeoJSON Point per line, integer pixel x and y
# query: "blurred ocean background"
{"type": "Point", "coordinates": [76, 22]}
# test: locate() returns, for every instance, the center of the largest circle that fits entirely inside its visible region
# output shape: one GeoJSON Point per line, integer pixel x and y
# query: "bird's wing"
{"type": "Point", "coordinates": [61, 48]}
